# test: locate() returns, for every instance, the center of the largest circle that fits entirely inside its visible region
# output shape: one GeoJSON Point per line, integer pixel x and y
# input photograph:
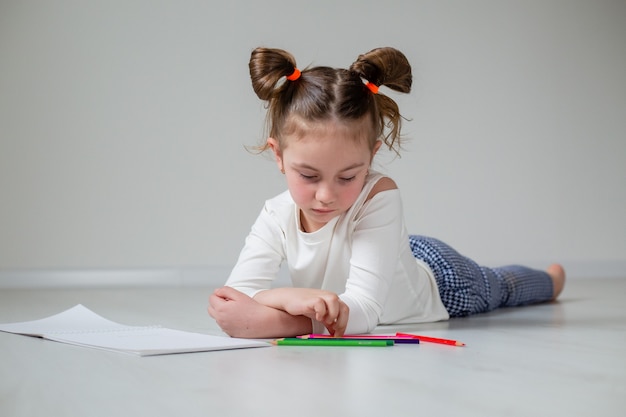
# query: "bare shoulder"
{"type": "Point", "coordinates": [383, 184]}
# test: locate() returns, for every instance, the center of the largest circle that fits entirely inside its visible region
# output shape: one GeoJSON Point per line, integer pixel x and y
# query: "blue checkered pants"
{"type": "Point", "coordinates": [467, 288]}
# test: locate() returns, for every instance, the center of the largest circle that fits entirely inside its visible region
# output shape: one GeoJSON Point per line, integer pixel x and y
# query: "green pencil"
{"type": "Point", "coordinates": [288, 341]}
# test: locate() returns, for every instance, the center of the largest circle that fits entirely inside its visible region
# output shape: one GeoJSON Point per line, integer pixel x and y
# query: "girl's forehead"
{"type": "Point", "coordinates": [357, 131]}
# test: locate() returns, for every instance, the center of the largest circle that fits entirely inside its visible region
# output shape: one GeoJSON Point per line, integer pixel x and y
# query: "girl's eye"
{"type": "Point", "coordinates": [313, 178]}
{"type": "Point", "coordinates": [308, 177]}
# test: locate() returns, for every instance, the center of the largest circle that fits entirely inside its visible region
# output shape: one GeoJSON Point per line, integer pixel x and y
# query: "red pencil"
{"type": "Point", "coordinates": [431, 339]}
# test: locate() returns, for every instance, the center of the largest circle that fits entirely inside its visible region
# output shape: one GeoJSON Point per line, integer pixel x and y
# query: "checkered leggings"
{"type": "Point", "coordinates": [467, 288]}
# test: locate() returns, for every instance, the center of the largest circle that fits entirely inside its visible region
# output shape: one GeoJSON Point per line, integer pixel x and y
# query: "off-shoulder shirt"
{"type": "Point", "coordinates": [362, 255]}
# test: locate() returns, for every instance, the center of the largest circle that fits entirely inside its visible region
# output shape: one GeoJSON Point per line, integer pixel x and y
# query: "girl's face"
{"type": "Point", "coordinates": [325, 170]}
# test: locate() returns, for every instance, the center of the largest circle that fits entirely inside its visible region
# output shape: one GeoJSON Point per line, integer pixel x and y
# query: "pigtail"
{"type": "Point", "coordinates": [388, 67]}
{"type": "Point", "coordinates": [267, 67]}
{"type": "Point", "coordinates": [385, 66]}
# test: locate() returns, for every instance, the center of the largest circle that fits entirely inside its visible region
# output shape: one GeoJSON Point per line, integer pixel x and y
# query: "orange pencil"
{"type": "Point", "coordinates": [431, 339]}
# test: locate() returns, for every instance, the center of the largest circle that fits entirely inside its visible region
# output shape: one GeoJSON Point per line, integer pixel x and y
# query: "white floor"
{"type": "Point", "coordinates": [561, 359]}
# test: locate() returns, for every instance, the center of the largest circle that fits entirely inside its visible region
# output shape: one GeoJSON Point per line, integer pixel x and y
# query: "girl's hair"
{"type": "Point", "coordinates": [324, 93]}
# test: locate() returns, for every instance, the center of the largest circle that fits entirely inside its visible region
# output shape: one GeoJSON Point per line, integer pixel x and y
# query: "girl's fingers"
{"type": "Point", "coordinates": [319, 307]}
{"type": "Point", "coordinates": [338, 327]}
{"type": "Point", "coordinates": [332, 307]}
{"type": "Point", "coordinates": [227, 293]}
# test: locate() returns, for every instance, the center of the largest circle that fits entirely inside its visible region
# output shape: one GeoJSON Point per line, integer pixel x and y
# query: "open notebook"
{"type": "Point", "coordinates": [81, 326]}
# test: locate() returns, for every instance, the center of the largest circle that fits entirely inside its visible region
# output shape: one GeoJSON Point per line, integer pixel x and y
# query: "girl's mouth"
{"type": "Point", "coordinates": [323, 211]}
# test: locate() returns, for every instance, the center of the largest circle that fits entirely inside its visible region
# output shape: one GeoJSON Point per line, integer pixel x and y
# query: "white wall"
{"type": "Point", "coordinates": [122, 126]}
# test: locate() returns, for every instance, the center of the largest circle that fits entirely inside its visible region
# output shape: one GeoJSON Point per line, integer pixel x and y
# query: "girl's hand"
{"type": "Point", "coordinates": [241, 316]}
{"type": "Point", "coordinates": [234, 311]}
{"type": "Point", "coordinates": [320, 305]}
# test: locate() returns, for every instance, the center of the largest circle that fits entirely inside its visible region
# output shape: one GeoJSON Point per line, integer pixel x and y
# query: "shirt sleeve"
{"type": "Point", "coordinates": [261, 257]}
{"type": "Point", "coordinates": [375, 249]}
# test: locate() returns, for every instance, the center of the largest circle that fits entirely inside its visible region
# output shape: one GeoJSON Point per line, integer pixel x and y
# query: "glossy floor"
{"type": "Point", "coordinates": [561, 359]}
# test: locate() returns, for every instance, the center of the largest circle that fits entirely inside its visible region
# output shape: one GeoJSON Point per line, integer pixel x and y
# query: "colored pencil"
{"type": "Point", "coordinates": [396, 339]}
{"type": "Point", "coordinates": [295, 341]}
{"type": "Point", "coordinates": [432, 339]}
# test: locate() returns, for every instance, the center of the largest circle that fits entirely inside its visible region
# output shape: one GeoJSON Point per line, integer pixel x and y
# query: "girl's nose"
{"type": "Point", "coordinates": [325, 194]}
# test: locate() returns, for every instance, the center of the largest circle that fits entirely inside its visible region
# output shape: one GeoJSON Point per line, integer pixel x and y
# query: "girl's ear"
{"type": "Point", "coordinates": [278, 155]}
{"type": "Point", "coordinates": [376, 148]}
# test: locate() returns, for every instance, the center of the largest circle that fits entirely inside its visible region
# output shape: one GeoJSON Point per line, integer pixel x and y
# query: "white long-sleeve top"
{"type": "Point", "coordinates": [362, 255]}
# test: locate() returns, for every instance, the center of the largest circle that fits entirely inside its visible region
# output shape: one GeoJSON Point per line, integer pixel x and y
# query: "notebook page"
{"type": "Point", "coordinates": [77, 319]}
{"type": "Point", "coordinates": [80, 326]}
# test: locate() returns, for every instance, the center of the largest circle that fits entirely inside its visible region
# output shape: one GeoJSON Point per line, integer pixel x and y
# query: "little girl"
{"type": "Point", "coordinates": [340, 226]}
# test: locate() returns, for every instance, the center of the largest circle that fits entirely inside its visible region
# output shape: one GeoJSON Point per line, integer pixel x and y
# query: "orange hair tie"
{"type": "Point", "coordinates": [294, 75]}
{"type": "Point", "coordinates": [373, 87]}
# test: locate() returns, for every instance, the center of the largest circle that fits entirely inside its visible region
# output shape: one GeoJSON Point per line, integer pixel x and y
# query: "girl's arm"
{"type": "Point", "coordinates": [248, 307]}
{"type": "Point", "coordinates": [320, 305]}
{"type": "Point", "coordinates": [241, 316]}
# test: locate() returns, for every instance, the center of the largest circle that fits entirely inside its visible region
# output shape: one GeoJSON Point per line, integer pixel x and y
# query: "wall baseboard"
{"type": "Point", "coordinates": [209, 276]}
{"type": "Point", "coordinates": [112, 278]}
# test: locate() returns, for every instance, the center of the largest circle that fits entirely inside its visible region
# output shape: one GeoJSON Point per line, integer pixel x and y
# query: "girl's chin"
{"type": "Point", "coordinates": [320, 218]}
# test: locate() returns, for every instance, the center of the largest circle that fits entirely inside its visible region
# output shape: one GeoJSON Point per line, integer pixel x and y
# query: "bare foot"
{"type": "Point", "coordinates": [557, 273]}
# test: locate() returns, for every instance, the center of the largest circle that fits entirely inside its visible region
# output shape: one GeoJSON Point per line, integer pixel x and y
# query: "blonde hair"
{"type": "Point", "coordinates": [324, 93]}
